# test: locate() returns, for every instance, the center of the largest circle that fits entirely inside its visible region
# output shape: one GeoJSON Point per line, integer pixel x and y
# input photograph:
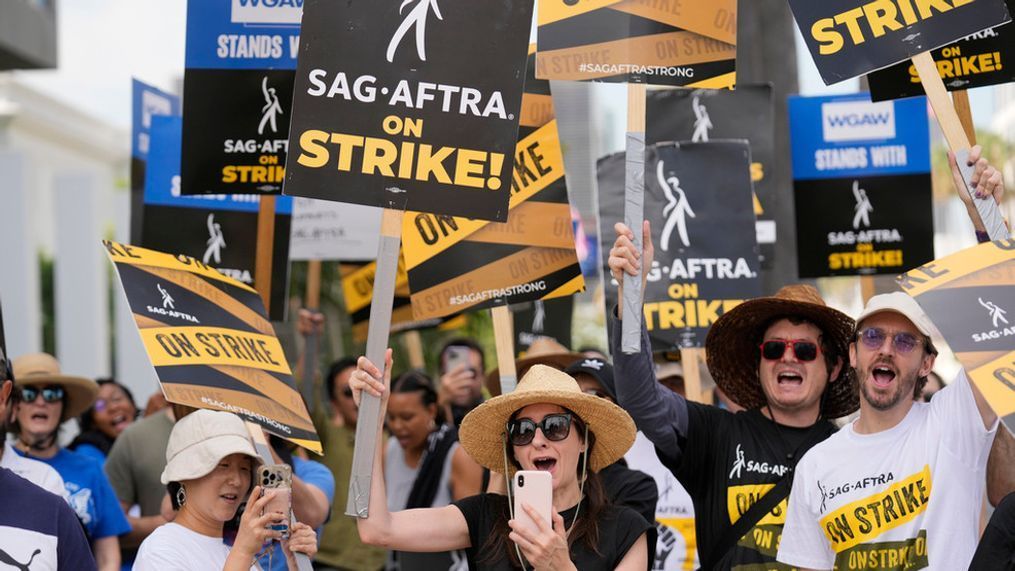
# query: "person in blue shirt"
{"type": "Point", "coordinates": [312, 495]}
{"type": "Point", "coordinates": [111, 413]}
{"type": "Point", "coordinates": [47, 399]}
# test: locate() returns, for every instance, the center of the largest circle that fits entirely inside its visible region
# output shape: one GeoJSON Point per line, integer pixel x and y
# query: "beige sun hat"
{"type": "Point", "coordinates": [200, 440]}
{"type": "Point", "coordinates": [41, 369]}
{"type": "Point", "coordinates": [484, 429]}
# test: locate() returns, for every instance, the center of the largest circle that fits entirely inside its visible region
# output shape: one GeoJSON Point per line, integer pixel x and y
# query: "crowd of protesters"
{"type": "Point", "coordinates": [832, 445]}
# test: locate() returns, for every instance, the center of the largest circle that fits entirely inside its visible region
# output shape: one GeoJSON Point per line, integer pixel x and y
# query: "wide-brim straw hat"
{"type": "Point", "coordinates": [543, 351]}
{"type": "Point", "coordinates": [733, 354]}
{"type": "Point", "coordinates": [42, 369]}
{"type": "Point", "coordinates": [200, 440]}
{"type": "Point", "coordinates": [484, 429]}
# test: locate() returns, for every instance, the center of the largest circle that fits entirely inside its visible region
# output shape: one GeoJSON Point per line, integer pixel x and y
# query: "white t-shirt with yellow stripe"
{"type": "Point", "coordinates": [905, 498]}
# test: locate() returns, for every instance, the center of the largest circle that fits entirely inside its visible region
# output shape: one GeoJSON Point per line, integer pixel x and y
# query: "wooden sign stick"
{"type": "Point", "coordinates": [265, 249]}
{"type": "Point", "coordinates": [312, 303]}
{"type": "Point", "coordinates": [503, 336]}
{"type": "Point", "coordinates": [694, 389]}
{"type": "Point", "coordinates": [960, 99]}
{"type": "Point", "coordinates": [377, 343]}
{"type": "Point", "coordinates": [955, 135]}
{"type": "Point", "coordinates": [634, 214]}
{"type": "Point", "coordinates": [414, 346]}
{"type": "Point", "coordinates": [867, 288]}
{"type": "Point", "coordinates": [263, 450]}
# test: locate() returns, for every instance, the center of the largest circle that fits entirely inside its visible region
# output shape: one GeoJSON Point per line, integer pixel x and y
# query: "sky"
{"type": "Point", "coordinates": [103, 43]}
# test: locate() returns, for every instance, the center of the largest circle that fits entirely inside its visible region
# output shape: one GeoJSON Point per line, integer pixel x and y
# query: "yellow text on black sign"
{"type": "Point", "coordinates": [875, 19]}
{"type": "Point", "coordinates": [956, 65]}
{"type": "Point", "coordinates": [407, 160]}
{"type": "Point", "coordinates": [685, 310]}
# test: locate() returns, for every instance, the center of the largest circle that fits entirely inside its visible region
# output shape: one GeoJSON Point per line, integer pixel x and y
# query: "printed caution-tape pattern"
{"type": "Point", "coordinates": [210, 343]}
{"type": "Point", "coordinates": [970, 297]}
{"type": "Point", "coordinates": [663, 42]}
{"type": "Point", "coordinates": [456, 264]}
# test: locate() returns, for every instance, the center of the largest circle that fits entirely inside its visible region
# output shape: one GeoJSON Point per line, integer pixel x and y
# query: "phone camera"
{"type": "Point", "coordinates": [521, 481]}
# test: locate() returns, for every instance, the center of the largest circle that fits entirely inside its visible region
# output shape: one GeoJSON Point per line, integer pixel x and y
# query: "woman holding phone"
{"type": "Point", "coordinates": [547, 424]}
{"type": "Point", "coordinates": [209, 473]}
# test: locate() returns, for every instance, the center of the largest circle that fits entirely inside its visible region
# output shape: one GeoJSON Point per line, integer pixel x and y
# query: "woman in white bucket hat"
{"type": "Point", "coordinates": [548, 424]}
{"type": "Point", "coordinates": [210, 465]}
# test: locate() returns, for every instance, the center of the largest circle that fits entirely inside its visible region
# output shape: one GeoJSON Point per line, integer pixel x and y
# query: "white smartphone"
{"type": "Point", "coordinates": [535, 488]}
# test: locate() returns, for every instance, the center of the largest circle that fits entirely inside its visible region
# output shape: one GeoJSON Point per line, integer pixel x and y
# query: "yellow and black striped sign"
{"type": "Point", "coordinates": [210, 342]}
{"type": "Point", "coordinates": [458, 264]}
{"type": "Point", "coordinates": [970, 296]}
{"type": "Point", "coordinates": [662, 42]}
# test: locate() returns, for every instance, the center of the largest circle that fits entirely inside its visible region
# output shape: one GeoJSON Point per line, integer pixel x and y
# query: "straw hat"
{"type": "Point", "coordinates": [733, 355]}
{"type": "Point", "coordinates": [201, 440]}
{"type": "Point", "coordinates": [483, 430]}
{"type": "Point", "coordinates": [543, 351]}
{"type": "Point", "coordinates": [41, 369]}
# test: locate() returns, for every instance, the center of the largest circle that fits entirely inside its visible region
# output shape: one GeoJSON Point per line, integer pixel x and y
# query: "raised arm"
{"type": "Point", "coordinates": [658, 412]}
{"type": "Point", "coordinates": [420, 530]}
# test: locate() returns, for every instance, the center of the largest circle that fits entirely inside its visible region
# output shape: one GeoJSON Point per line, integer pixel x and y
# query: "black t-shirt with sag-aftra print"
{"type": "Point", "coordinates": [728, 461]}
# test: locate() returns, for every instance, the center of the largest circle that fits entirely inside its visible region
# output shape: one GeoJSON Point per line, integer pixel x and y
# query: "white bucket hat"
{"type": "Point", "coordinates": [200, 440]}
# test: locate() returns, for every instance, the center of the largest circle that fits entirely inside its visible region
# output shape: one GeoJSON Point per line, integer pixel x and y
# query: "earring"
{"type": "Point", "coordinates": [432, 425]}
{"type": "Point", "coordinates": [181, 496]}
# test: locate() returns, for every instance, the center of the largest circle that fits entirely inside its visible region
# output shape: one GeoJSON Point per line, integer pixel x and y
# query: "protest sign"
{"type": "Point", "coordinates": [848, 38]}
{"type": "Point", "coordinates": [210, 342]}
{"type": "Point", "coordinates": [552, 318]}
{"type": "Point", "coordinates": [423, 105]}
{"type": "Point", "coordinates": [698, 200]}
{"type": "Point", "coordinates": [703, 115]}
{"type": "Point", "coordinates": [690, 44]}
{"type": "Point", "coordinates": [978, 60]}
{"type": "Point", "coordinates": [147, 101]}
{"type": "Point", "coordinates": [220, 230]}
{"type": "Point", "coordinates": [358, 292]}
{"type": "Point", "coordinates": [325, 230]}
{"type": "Point", "coordinates": [237, 89]}
{"type": "Point", "coordinates": [968, 296]}
{"type": "Point", "coordinates": [861, 185]}
{"type": "Point", "coordinates": [458, 264]}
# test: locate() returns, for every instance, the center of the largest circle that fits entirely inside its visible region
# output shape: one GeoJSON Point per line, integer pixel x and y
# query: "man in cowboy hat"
{"type": "Point", "coordinates": [47, 399]}
{"type": "Point", "coordinates": [904, 476]}
{"type": "Point", "coordinates": [779, 357]}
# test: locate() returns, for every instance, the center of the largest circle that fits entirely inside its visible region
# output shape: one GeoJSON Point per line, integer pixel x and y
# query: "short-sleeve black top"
{"type": "Point", "coordinates": [619, 528]}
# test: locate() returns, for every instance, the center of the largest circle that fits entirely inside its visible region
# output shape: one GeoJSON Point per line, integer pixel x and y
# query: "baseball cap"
{"type": "Point", "coordinates": [903, 304]}
{"type": "Point", "coordinates": [598, 369]}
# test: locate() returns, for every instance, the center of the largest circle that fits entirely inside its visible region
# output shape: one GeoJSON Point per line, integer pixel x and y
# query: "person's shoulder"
{"type": "Point", "coordinates": [625, 518]}
{"type": "Point", "coordinates": [36, 472]}
{"type": "Point", "coordinates": [81, 463]}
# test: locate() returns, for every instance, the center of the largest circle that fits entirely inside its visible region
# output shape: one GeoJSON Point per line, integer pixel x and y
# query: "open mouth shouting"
{"type": "Point", "coordinates": [545, 463]}
{"type": "Point", "coordinates": [882, 375]}
{"type": "Point", "coordinates": [789, 377]}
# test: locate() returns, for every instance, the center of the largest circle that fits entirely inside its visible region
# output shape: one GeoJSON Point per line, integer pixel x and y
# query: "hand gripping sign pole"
{"type": "Point", "coordinates": [958, 141]}
{"type": "Point", "coordinates": [503, 335]}
{"type": "Point", "coordinates": [634, 213]}
{"type": "Point", "coordinates": [377, 341]}
{"type": "Point", "coordinates": [264, 451]}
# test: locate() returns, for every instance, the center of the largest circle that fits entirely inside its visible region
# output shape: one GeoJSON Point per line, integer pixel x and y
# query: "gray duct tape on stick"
{"type": "Point", "coordinates": [508, 384]}
{"type": "Point", "coordinates": [370, 406]}
{"type": "Point", "coordinates": [634, 214]}
{"type": "Point", "coordinates": [990, 214]}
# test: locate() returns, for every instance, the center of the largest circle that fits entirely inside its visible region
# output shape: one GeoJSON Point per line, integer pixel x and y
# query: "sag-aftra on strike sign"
{"type": "Point", "coordinates": [848, 38]}
{"type": "Point", "coordinates": [417, 97]}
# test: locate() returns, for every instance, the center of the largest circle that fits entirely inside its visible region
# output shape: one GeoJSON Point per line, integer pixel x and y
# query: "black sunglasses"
{"type": "Point", "coordinates": [803, 350]}
{"type": "Point", "coordinates": [555, 427]}
{"type": "Point", "coordinates": [874, 338]}
{"type": "Point", "coordinates": [52, 393]}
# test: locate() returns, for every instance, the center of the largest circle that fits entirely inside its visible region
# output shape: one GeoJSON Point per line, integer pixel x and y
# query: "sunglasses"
{"type": "Point", "coordinates": [874, 338]}
{"type": "Point", "coordinates": [555, 427]}
{"type": "Point", "coordinates": [49, 394]}
{"type": "Point", "coordinates": [774, 349]}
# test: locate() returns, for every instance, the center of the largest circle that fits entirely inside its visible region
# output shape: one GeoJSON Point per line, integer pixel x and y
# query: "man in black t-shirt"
{"type": "Point", "coordinates": [779, 357]}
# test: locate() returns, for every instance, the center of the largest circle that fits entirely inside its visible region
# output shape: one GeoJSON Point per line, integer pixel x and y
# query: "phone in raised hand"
{"type": "Point", "coordinates": [535, 488]}
{"type": "Point", "coordinates": [278, 478]}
